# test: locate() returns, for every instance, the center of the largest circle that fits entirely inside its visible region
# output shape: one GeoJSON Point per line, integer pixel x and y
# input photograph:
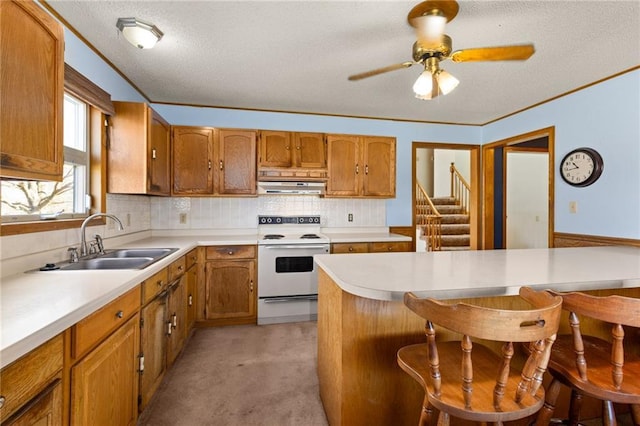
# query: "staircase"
{"type": "Point", "coordinates": [455, 224]}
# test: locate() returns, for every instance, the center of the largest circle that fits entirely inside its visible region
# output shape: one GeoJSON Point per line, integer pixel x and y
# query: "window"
{"type": "Point", "coordinates": [24, 201]}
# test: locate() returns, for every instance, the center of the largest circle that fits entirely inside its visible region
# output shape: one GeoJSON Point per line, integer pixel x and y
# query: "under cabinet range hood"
{"type": "Point", "coordinates": [291, 188]}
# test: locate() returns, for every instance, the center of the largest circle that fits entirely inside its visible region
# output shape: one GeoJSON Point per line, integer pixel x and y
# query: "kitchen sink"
{"type": "Point", "coordinates": [129, 258]}
{"type": "Point", "coordinates": [155, 253]}
{"type": "Point", "coordinates": [109, 263]}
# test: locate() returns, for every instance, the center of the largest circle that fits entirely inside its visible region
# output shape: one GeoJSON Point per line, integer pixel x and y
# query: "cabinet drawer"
{"type": "Point", "coordinates": [231, 252]}
{"type": "Point", "coordinates": [191, 258]}
{"type": "Point", "coordinates": [27, 376]}
{"type": "Point", "coordinates": [339, 248]}
{"type": "Point", "coordinates": [154, 285]}
{"type": "Point", "coordinates": [396, 246]}
{"type": "Point", "coordinates": [176, 269]}
{"type": "Point", "coordinates": [99, 324]}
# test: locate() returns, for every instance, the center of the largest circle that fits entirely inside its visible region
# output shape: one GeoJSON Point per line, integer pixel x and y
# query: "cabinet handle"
{"type": "Point", "coordinates": [251, 286]}
{"type": "Point", "coordinates": [221, 165]}
{"type": "Point", "coordinates": [209, 164]}
{"type": "Point", "coordinates": [357, 169]}
{"type": "Point", "coordinates": [194, 258]}
{"type": "Point", "coordinates": [366, 169]}
{"type": "Point", "coordinates": [2, 400]}
{"type": "Point", "coordinates": [160, 283]}
{"type": "Point", "coordinates": [180, 268]}
{"type": "Point", "coordinates": [190, 300]}
{"type": "Point", "coordinates": [350, 248]}
{"type": "Point", "coordinates": [120, 314]}
{"type": "Point", "coordinates": [287, 147]}
{"type": "Point", "coordinates": [153, 153]}
{"type": "Point", "coordinates": [298, 147]}
{"type": "Point", "coordinates": [390, 248]}
{"type": "Point", "coordinates": [174, 321]}
{"type": "Point", "coordinates": [141, 364]}
{"type": "Point", "coordinates": [230, 252]}
{"type": "Point", "coordinates": [169, 328]}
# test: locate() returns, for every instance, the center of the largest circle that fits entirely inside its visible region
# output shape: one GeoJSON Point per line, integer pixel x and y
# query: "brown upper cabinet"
{"type": "Point", "coordinates": [291, 154]}
{"type": "Point", "coordinates": [361, 166]}
{"type": "Point", "coordinates": [138, 155]}
{"type": "Point", "coordinates": [208, 161]}
{"type": "Point", "coordinates": [33, 80]}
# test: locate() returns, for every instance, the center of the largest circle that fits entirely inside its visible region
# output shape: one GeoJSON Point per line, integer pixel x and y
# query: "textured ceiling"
{"type": "Point", "coordinates": [295, 56]}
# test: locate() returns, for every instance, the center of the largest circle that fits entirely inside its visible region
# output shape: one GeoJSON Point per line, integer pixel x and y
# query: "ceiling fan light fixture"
{"type": "Point", "coordinates": [139, 33]}
{"type": "Point", "coordinates": [446, 82]}
{"type": "Point", "coordinates": [430, 28]}
{"type": "Point", "coordinates": [423, 85]}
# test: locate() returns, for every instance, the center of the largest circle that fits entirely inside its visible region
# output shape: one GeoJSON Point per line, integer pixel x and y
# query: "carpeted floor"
{"type": "Point", "coordinates": [242, 375]}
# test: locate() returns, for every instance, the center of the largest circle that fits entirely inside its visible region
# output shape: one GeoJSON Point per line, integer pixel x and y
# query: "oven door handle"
{"type": "Point", "coordinates": [289, 298]}
{"type": "Point", "coordinates": [296, 246]}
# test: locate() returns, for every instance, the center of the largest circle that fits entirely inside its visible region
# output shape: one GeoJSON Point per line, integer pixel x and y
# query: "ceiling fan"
{"type": "Point", "coordinates": [433, 46]}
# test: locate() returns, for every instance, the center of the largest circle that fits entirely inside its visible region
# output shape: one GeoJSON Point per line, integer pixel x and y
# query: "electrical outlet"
{"type": "Point", "coordinates": [183, 218]}
{"type": "Point", "coordinates": [573, 207]}
{"type": "Point", "coordinates": [350, 217]}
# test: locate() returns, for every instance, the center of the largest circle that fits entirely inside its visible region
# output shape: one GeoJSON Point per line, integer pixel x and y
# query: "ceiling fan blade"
{"type": "Point", "coordinates": [381, 70]}
{"type": "Point", "coordinates": [498, 53]}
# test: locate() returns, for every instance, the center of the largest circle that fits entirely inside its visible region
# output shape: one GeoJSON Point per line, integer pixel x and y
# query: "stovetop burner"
{"type": "Point", "coordinates": [310, 236]}
{"type": "Point", "coordinates": [273, 237]}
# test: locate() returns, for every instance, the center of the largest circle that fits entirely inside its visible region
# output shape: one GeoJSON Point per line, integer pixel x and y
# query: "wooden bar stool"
{"type": "Point", "coordinates": [592, 366]}
{"type": "Point", "coordinates": [468, 380]}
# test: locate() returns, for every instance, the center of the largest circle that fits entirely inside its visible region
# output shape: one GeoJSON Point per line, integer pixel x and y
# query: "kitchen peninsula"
{"type": "Point", "coordinates": [362, 320]}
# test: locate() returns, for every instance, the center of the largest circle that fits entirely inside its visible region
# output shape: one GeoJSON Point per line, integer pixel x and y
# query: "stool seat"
{"type": "Point", "coordinates": [598, 384]}
{"type": "Point", "coordinates": [412, 360]}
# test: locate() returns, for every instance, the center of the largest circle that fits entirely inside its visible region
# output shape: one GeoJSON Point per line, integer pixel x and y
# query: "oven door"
{"type": "Point", "coordinates": [288, 269]}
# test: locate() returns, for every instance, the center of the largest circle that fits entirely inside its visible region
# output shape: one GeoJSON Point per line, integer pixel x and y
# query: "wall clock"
{"type": "Point", "coordinates": [581, 167]}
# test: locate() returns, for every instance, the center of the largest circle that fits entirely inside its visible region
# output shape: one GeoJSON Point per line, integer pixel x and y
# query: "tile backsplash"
{"type": "Point", "coordinates": [140, 214]}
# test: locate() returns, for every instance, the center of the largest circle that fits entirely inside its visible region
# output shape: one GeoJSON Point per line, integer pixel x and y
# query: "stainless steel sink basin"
{"type": "Point", "coordinates": [129, 258]}
{"type": "Point", "coordinates": [155, 253]}
{"type": "Point", "coordinates": [109, 263]}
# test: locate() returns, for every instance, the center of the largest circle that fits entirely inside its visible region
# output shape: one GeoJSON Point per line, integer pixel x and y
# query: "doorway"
{"type": "Point", "coordinates": [430, 163]}
{"type": "Point", "coordinates": [503, 189]}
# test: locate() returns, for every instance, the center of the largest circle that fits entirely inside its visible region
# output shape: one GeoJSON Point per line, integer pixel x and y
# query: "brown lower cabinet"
{"type": "Point", "coordinates": [230, 285]}
{"type": "Point", "coordinates": [374, 247]}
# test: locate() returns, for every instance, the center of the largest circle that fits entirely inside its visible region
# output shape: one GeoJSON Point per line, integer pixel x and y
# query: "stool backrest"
{"type": "Point", "coordinates": [538, 325]}
{"type": "Point", "coordinates": [618, 310]}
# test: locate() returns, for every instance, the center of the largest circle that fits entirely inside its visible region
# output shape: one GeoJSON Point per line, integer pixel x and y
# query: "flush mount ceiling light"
{"type": "Point", "coordinates": [141, 34]}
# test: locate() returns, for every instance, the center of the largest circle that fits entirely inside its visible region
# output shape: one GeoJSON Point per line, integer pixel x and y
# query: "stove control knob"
{"type": "Point", "coordinates": [268, 220]}
{"type": "Point", "coordinates": [278, 220]}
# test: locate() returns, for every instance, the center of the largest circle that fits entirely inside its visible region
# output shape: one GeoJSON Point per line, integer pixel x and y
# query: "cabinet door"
{"type": "Point", "coordinates": [176, 324]}
{"type": "Point", "coordinates": [159, 181]}
{"type": "Point", "coordinates": [32, 82]}
{"type": "Point", "coordinates": [192, 163]}
{"type": "Point", "coordinates": [379, 178]}
{"type": "Point", "coordinates": [153, 346]}
{"type": "Point", "coordinates": [344, 165]}
{"type": "Point", "coordinates": [192, 290]}
{"type": "Point", "coordinates": [104, 384]}
{"type": "Point", "coordinates": [275, 149]}
{"type": "Point", "coordinates": [44, 410]}
{"type": "Point", "coordinates": [311, 151]}
{"type": "Point", "coordinates": [230, 289]}
{"type": "Point", "coordinates": [236, 162]}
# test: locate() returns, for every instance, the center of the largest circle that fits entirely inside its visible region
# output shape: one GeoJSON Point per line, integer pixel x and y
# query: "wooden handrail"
{"type": "Point", "coordinates": [428, 219]}
{"type": "Point", "coordinates": [460, 189]}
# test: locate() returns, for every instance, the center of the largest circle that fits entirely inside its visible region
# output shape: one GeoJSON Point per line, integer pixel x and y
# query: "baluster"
{"type": "Point", "coordinates": [617, 355]}
{"type": "Point", "coordinates": [503, 375]}
{"type": "Point", "coordinates": [578, 345]}
{"type": "Point", "coordinates": [434, 360]}
{"type": "Point", "coordinates": [529, 369]}
{"type": "Point", "coordinates": [542, 366]}
{"type": "Point", "coordinates": [467, 370]}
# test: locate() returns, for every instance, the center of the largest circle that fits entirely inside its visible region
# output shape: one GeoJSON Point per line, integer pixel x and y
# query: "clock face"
{"type": "Point", "coordinates": [581, 167]}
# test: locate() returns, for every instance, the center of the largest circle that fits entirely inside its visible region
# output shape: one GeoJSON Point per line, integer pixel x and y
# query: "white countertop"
{"type": "Point", "coordinates": [456, 274]}
{"type": "Point", "coordinates": [36, 306]}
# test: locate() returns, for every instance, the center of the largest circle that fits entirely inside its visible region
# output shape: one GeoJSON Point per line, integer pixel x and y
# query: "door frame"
{"type": "Point", "coordinates": [488, 166]}
{"type": "Point", "coordinates": [475, 196]}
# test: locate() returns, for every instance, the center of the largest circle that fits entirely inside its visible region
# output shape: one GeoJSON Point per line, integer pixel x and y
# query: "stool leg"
{"type": "Point", "coordinates": [574, 408]}
{"type": "Point", "coordinates": [427, 413]}
{"type": "Point", "coordinates": [635, 414]}
{"type": "Point", "coordinates": [443, 419]}
{"type": "Point", "coordinates": [545, 413]}
{"type": "Point", "coordinates": [608, 414]}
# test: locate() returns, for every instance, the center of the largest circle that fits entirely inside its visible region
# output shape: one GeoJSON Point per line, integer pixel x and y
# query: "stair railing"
{"type": "Point", "coordinates": [428, 219]}
{"type": "Point", "coordinates": [460, 189]}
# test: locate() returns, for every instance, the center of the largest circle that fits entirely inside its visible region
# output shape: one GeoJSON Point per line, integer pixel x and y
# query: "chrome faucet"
{"type": "Point", "coordinates": [83, 237]}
